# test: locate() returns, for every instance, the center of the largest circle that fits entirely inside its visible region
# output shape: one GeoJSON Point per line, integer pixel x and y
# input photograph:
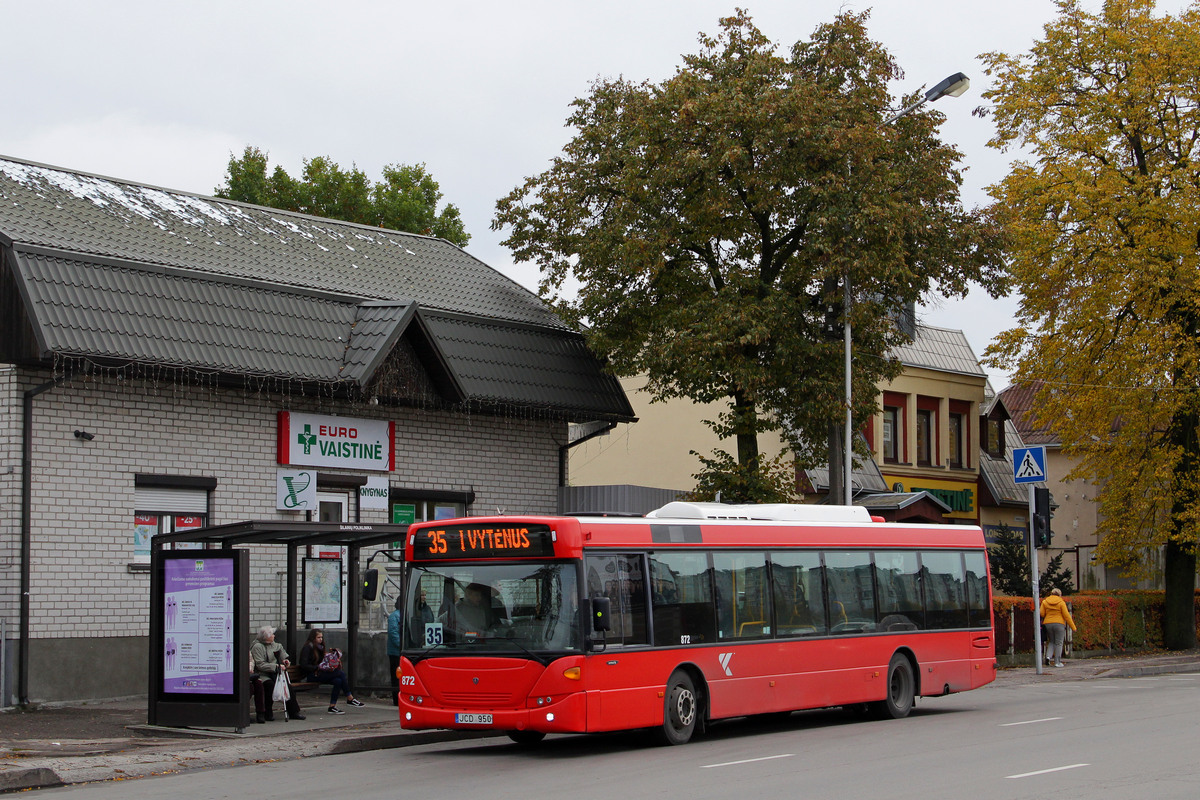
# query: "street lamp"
{"type": "Point", "coordinates": [952, 86]}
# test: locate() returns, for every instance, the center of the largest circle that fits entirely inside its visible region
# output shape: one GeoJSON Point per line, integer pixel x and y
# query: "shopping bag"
{"type": "Point", "coordinates": [283, 690]}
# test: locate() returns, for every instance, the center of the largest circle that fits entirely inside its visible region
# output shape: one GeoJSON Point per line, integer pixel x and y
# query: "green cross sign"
{"type": "Point", "coordinates": [307, 439]}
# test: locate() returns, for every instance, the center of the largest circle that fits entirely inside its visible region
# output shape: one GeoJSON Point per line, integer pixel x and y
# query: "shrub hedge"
{"type": "Point", "coordinates": [1116, 620]}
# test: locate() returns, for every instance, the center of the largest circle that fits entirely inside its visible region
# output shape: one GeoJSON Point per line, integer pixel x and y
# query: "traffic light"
{"type": "Point", "coordinates": [1041, 518]}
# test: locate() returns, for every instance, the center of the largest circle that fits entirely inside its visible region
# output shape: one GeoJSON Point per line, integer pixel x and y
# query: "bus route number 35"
{"type": "Point", "coordinates": [433, 634]}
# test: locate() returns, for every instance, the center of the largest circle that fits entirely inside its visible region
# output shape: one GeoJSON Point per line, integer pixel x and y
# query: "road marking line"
{"type": "Point", "coordinates": [1028, 722]}
{"type": "Point", "coordinates": [1046, 771]}
{"type": "Point", "coordinates": [747, 761]}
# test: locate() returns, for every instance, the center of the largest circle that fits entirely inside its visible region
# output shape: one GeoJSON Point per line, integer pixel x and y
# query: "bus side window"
{"type": "Point", "coordinates": [851, 591]}
{"type": "Point", "coordinates": [743, 607]}
{"type": "Point", "coordinates": [897, 576]}
{"type": "Point", "coordinates": [619, 578]}
{"type": "Point", "coordinates": [684, 612]}
{"type": "Point", "coordinates": [945, 589]}
{"type": "Point", "coordinates": [799, 593]}
{"type": "Point", "coordinates": [978, 607]}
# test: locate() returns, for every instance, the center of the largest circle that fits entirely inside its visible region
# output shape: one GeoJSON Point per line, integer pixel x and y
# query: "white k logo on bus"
{"type": "Point", "coordinates": [724, 658]}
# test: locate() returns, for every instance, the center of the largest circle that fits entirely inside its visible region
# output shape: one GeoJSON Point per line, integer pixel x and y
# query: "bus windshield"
{"type": "Point", "coordinates": [492, 608]}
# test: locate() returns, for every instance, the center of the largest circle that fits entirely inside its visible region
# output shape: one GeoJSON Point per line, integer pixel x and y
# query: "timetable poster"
{"type": "Point", "coordinates": [198, 646]}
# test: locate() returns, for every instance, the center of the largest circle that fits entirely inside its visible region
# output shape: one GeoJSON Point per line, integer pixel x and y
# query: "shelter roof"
{"type": "Point", "coordinates": [341, 534]}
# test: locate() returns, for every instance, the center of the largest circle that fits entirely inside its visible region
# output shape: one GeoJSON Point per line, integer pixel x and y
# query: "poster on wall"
{"type": "Point", "coordinates": [322, 590]}
{"type": "Point", "coordinates": [198, 617]}
{"type": "Point", "coordinates": [144, 526]}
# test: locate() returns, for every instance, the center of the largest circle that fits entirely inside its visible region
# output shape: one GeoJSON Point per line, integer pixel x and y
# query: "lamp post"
{"type": "Point", "coordinates": [952, 86]}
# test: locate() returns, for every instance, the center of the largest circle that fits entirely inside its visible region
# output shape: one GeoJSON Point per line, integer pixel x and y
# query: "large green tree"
{"type": "Point", "coordinates": [405, 199]}
{"type": "Point", "coordinates": [703, 226]}
{"type": "Point", "coordinates": [1103, 217]}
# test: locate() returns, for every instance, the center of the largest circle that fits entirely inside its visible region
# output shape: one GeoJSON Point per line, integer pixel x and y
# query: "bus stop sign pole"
{"type": "Point", "coordinates": [1029, 467]}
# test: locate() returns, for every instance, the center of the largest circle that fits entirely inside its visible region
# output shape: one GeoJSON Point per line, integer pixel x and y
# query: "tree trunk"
{"type": "Point", "coordinates": [1179, 605]}
{"type": "Point", "coordinates": [1179, 554]}
{"type": "Point", "coordinates": [746, 425]}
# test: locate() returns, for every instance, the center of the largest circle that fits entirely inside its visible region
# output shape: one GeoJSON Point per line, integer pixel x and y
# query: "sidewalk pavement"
{"type": "Point", "coordinates": [78, 743]}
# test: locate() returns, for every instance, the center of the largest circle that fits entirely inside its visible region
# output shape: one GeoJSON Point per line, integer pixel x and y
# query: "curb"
{"type": "Point", "coordinates": [33, 778]}
{"type": "Point", "coordinates": [391, 741]}
{"type": "Point", "coordinates": [1149, 669]}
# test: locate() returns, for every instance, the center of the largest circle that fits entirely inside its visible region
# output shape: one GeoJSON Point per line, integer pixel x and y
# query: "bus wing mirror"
{"type": "Point", "coordinates": [370, 587]}
{"type": "Point", "coordinates": [601, 609]}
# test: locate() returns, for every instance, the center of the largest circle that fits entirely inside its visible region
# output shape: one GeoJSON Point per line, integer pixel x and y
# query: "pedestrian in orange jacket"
{"type": "Point", "coordinates": [1056, 617]}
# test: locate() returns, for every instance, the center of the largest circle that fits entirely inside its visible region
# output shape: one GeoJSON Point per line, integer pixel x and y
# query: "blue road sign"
{"type": "Point", "coordinates": [1029, 464]}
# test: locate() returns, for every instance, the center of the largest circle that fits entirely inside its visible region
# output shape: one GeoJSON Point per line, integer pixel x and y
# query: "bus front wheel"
{"type": "Point", "coordinates": [680, 710]}
{"type": "Point", "coordinates": [901, 688]}
{"type": "Point", "coordinates": [526, 737]}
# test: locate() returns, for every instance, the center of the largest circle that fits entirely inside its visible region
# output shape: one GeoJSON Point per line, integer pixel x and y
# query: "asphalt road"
{"type": "Point", "coordinates": [1118, 738]}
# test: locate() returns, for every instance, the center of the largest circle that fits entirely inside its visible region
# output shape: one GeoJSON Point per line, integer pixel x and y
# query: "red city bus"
{"type": "Point", "coordinates": [696, 612]}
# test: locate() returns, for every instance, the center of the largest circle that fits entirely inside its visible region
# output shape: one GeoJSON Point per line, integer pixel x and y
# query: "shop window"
{"type": "Point", "coordinates": [892, 434]}
{"type": "Point", "coordinates": [167, 504]}
{"type": "Point", "coordinates": [993, 436]}
{"type": "Point", "coordinates": [957, 427]}
{"type": "Point", "coordinates": [924, 437]}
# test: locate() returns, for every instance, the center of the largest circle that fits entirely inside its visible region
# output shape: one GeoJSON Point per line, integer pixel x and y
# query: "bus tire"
{"type": "Point", "coordinates": [901, 688]}
{"type": "Point", "coordinates": [526, 737]}
{"type": "Point", "coordinates": [681, 709]}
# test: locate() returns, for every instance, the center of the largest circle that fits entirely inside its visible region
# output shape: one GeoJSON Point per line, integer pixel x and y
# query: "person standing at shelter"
{"type": "Point", "coordinates": [270, 659]}
{"type": "Point", "coordinates": [1056, 617]}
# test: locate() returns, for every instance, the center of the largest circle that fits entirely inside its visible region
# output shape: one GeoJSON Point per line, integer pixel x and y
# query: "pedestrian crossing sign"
{"type": "Point", "coordinates": [1029, 464]}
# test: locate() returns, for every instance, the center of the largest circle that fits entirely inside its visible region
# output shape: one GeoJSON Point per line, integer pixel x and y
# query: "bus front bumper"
{"type": "Point", "coordinates": [568, 715]}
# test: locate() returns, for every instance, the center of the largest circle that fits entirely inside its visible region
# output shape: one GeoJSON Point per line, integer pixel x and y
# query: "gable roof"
{"type": "Point", "coordinates": [129, 274]}
{"type": "Point", "coordinates": [83, 213]}
{"type": "Point", "coordinates": [1020, 400]}
{"type": "Point", "coordinates": [940, 349]}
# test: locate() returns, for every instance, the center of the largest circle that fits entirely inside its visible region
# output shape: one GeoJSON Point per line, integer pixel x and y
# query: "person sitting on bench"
{"type": "Point", "coordinates": [270, 659]}
{"type": "Point", "coordinates": [321, 665]}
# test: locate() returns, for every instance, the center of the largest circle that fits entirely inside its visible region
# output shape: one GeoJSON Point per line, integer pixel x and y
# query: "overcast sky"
{"type": "Point", "coordinates": [164, 92]}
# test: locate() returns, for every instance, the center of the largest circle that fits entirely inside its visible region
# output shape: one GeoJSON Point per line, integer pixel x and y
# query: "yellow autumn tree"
{"type": "Point", "coordinates": [1102, 214]}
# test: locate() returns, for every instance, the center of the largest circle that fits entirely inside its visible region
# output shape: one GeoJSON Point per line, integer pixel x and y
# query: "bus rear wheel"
{"type": "Point", "coordinates": [526, 737]}
{"type": "Point", "coordinates": [901, 688]}
{"type": "Point", "coordinates": [680, 710]}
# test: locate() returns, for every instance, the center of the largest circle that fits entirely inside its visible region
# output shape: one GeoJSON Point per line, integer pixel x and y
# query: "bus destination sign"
{"type": "Point", "coordinates": [483, 541]}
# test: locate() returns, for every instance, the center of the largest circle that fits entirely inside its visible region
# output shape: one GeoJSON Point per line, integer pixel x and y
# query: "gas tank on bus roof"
{"type": "Point", "coordinates": [778, 512]}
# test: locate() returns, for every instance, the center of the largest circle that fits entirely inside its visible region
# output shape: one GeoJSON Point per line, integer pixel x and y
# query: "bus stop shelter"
{"type": "Point", "coordinates": [294, 536]}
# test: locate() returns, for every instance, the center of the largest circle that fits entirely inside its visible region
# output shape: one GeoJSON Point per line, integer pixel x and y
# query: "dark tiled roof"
{"type": "Point", "coordinates": [73, 211]}
{"type": "Point", "coordinates": [168, 317]}
{"type": "Point", "coordinates": [128, 273]}
{"type": "Point", "coordinates": [496, 361]}
{"type": "Point", "coordinates": [899, 500]}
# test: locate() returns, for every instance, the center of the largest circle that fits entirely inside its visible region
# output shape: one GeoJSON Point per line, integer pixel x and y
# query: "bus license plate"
{"type": "Point", "coordinates": [473, 719]}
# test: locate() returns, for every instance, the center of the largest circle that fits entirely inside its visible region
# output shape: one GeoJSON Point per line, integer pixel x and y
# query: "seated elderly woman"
{"type": "Point", "coordinates": [270, 659]}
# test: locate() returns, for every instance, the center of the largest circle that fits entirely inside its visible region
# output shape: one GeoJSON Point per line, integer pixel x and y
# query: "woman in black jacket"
{"type": "Point", "coordinates": [314, 664]}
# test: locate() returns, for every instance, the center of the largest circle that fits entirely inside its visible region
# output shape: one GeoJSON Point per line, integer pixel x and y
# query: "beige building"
{"type": "Point", "coordinates": [1076, 519]}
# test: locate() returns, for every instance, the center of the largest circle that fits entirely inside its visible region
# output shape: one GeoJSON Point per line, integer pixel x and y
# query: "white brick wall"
{"type": "Point", "coordinates": [83, 492]}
